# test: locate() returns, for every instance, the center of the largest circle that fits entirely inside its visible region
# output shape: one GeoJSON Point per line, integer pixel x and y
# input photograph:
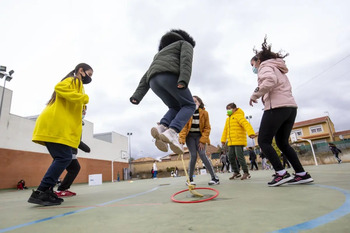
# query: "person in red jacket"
{"type": "Point", "coordinates": [280, 110]}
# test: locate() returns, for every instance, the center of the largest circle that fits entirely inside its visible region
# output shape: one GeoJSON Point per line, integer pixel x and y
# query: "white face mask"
{"type": "Point", "coordinates": [197, 106]}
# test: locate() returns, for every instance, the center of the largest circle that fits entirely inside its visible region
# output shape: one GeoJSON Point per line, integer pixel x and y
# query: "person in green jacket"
{"type": "Point", "coordinates": [59, 128]}
{"type": "Point", "coordinates": [168, 76]}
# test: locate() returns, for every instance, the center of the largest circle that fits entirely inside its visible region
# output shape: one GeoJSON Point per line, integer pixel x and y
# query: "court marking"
{"type": "Point", "coordinates": [324, 219]}
{"type": "Point", "coordinates": [76, 211]}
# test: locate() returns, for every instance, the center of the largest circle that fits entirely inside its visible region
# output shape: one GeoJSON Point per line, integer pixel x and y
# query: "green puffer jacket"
{"type": "Point", "coordinates": [175, 58]}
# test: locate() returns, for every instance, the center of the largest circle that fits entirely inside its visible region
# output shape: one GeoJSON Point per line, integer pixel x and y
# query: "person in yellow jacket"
{"type": "Point", "coordinates": [59, 128]}
{"type": "Point", "coordinates": [235, 134]}
{"type": "Point", "coordinates": [196, 135]}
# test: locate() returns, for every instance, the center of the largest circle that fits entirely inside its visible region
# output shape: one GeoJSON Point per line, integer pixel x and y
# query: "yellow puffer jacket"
{"type": "Point", "coordinates": [236, 129]}
{"type": "Point", "coordinates": [60, 122]}
{"type": "Point", "coordinates": [204, 128]}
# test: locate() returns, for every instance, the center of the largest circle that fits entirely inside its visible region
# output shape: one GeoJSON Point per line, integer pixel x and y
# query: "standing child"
{"type": "Point", "coordinates": [235, 133]}
{"type": "Point", "coordinates": [335, 150]}
{"type": "Point", "coordinates": [168, 76]}
{"type": "Point", "coordinates": [280, 110]}
{"type": "Point", "coordinates": [196, 135]}
{"type": "Point", "coordinates": [252, 158]}
{"type": "Point", "coordinates": [59, 128]}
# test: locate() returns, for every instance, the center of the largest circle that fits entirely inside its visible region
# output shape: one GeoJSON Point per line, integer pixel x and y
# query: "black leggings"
{"type": "Point", "coordinates": [278, 123]}
{"type": "Point", "coordinates": [72, 172]}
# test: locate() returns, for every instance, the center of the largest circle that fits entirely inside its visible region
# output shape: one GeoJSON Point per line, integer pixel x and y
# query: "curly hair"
{"type": "Point", "coordinates": [173, 36]}
{"type": "Point", "coordinates": [266, 53]}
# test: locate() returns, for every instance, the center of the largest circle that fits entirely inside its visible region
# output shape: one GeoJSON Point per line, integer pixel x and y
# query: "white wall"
{"type": "Point", "coordinates": [16, 133]}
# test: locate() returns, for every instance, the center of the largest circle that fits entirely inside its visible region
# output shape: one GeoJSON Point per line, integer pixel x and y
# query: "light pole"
{"type": "Point", "coordinates": [7, 77]}
{"type": "Point", "coordinates": [248, 118]}
{"type": "Point", "coordinates": [129, 135]}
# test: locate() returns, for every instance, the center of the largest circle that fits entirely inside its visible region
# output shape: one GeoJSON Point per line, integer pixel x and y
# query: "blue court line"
{"type": "Point", "coordinates": [327, 218]}
{"type": "Point", "coordinates": [76, 211]}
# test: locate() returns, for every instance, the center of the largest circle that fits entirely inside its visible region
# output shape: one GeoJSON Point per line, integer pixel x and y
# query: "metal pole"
{"type": "Point", "coordinates": [2, 95]}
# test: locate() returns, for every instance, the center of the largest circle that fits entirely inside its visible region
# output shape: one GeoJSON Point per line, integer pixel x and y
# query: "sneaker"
{"type": "Point", "coordinates": [65, 193]}
{"type": "Point", "coordinates": [214, 181]}
{"type": "Point", "coordinates": [171, 137]}
{"type": "Point", "coordinates": [235, 175]}
{"type": "Point", "coordinates": [46, 198]}
{"type": "Point", "coordinates": [155, 132]}
{"type": "Point", "coordinates": [301, 179]}
{"type": "Point", "coordinates": [245, 176]}
{"type": "Point", "coordinates": [279, 180]}
{"type": "Point", "coordinates": [191, 182]}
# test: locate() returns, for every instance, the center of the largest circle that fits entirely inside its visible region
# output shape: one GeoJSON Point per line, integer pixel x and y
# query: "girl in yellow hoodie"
{"type": "Point", "coordinates": [235, 134]}
{"type": "Point", "coordinates": [59, 128]}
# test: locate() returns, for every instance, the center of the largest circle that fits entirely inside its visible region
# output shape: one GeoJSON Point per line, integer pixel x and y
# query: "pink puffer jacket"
{"type": "Point", "coordinates": [273, 85]}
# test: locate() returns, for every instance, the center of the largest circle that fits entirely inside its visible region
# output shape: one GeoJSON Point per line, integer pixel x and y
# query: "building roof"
{"type": "Point", "coordinates": [344, 132]}
{"type": "Point", "coordinates": [310, 122]}
{"type": "Point", "coordinates": [144, 159]}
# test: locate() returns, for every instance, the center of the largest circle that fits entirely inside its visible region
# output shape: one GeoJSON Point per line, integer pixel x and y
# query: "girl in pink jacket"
{"type": "Point", "coordinates": [275, 91]}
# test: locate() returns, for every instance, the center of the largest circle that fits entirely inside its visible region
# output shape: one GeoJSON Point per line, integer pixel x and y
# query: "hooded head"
{"type": "Point", "coordinates": [173, 36]}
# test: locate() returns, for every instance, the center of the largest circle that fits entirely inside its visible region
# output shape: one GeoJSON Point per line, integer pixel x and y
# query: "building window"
{"type": "Point", "coordinates": [298, 132]}
{"type": "Point", "coordinates": [316, 129]}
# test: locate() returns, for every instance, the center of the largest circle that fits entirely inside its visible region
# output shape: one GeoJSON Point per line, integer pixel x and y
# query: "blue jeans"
{"type": "Point", "coordinates": [192, 142]}
{"type": "Point", "coordinates": [179, 101]}
{"type": "Point", "coordinates": [62, 157]}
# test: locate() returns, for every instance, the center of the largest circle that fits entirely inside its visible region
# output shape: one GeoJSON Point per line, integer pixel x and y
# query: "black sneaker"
{"type": "Point", "coordinates": [278, 180]}
{"type": "Point", "coordinates": [214, 182]}
{"type": "Point", "coordinates": [46, 198]}
{"type": "Point", "coordinates": [301, 179]}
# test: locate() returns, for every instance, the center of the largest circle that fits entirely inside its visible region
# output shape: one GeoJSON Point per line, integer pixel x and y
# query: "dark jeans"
{"type": "Point", "coordinates": [253, 164]}
{"type": "Point", "coordinates": [72, 172]}
{"type": "Point", "coordinates": [278, 123]}
{"type": "Point", "coordinates": [179, 101]}
{"type": "Point", "coordinates": [62, 156]}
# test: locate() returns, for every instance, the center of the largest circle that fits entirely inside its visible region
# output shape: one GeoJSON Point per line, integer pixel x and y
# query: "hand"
{"type": "Point", "coordinates": [201, 146]}
{"type": "Point", "coordinates": [252, 136]}
{"type": "Point", "coordinates": [180, 86]}
{"type": "Point", "coordinates": [251, 101]}
{"type": "Point", "coordinates": [134, 101]}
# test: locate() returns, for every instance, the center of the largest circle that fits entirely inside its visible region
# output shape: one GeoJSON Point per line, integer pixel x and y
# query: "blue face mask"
{"type": "Point", "coordinates": [255, 70]}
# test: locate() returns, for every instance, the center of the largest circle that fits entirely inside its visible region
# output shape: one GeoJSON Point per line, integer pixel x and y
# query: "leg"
{"type": "Point", "coordinates": [192, 148]}
{"type": "Point", "coordinates": [62, 156]}
{"type": "Point", "coordinates": [72, 172]}
{"type": "Point", "coordinates": [282, 139]}
{"type": "Point", "coordinates": [232, 158]}
{"type": "Point", "coordinates": [179, 101]}
{"type": "Point", "coordinates": [270, 123]}
{"type": "Point", "coordinates": [241, 159]}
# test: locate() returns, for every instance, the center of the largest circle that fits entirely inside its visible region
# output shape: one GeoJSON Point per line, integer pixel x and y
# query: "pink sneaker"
{"type": "Point", "coordinates": [65, 193]}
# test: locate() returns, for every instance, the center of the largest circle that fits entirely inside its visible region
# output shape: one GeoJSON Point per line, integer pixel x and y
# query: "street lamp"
{"type": "Point", "coordinates": [129, 135]}
{"type": "Point", "coordinates": [7, 77]}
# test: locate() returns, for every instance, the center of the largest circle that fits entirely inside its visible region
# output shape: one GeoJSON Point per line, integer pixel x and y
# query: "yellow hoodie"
{"type": "Point", "coordinates": [236, 129]}
{"type": "Point", "coordinates": [60, 122]}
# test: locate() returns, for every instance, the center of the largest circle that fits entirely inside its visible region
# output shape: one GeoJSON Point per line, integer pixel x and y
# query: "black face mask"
{"type": "Point", "coordinates": [87, 79]}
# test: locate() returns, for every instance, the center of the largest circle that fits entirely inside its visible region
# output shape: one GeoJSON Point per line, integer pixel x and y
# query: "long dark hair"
{"type": "Point", "coordinates": [175, 35]}
{"type": "Point", "coordinates": [201, 104]}
{"type": "Point", "coordinates": [266, 53]}
{"type": "Point", "coordinates": [75, 79]}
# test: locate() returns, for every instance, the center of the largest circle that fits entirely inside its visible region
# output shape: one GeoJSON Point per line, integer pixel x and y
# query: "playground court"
{"type": "Point", "coordinates": [145, 206]}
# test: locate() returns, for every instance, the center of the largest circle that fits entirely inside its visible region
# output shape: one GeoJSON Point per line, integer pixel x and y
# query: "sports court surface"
{"type": "Point", "coordinates": [146, 206]}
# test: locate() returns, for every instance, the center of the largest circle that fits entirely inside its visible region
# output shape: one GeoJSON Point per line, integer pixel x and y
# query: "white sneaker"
{"type": "Point", "coordinates": [155, 132]}
{"type": "Point", "coordinates": [171, 137]}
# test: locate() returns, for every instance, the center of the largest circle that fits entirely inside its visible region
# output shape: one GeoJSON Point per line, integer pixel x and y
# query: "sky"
{"type": "Point", "coordinates": [44, 40]}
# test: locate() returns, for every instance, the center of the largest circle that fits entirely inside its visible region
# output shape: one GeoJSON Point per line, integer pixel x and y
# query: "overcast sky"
{"type": "Point", "coordinates": [44, 40]}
